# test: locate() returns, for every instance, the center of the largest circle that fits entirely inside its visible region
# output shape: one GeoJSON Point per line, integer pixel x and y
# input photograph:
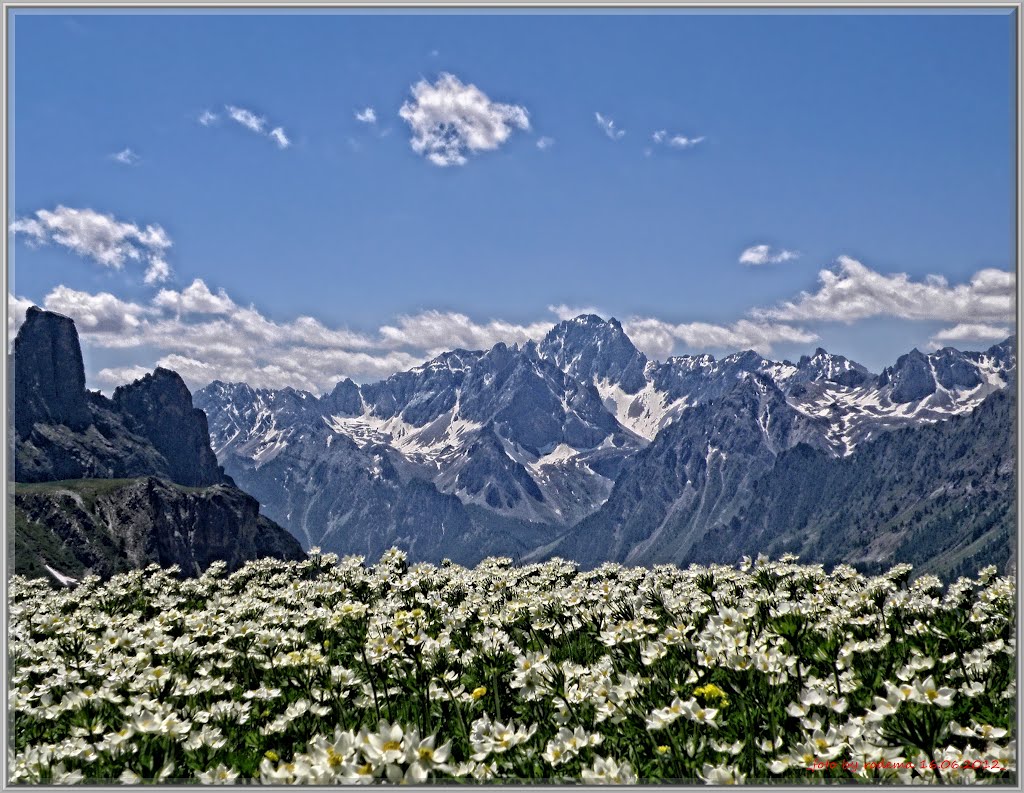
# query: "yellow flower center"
{"type": "Point", "coordinates": [426, 754]}
{"type": "Point", "coordinates": [392, 746]}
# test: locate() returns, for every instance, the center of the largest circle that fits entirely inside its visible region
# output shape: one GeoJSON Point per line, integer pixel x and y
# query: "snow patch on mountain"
{"type": "Point", "coordinates": [644, 412]}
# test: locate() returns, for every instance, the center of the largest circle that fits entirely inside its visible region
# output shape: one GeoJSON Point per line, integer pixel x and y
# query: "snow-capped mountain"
{"type": "Point", "coordinates": [646, 396]}
{"type": "Point", "coordinates": [918, 389]}
{"type": "Point", "coordinates": [537, 435]}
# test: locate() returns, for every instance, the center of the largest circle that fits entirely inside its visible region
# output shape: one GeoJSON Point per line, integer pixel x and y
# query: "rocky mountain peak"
{"type": "Point", "coordinates": [49, 383]}
{"type": "Point", "coordinates": [824, 366]}
{"type": "Point", "coordinates": [593, 349]}
{"type": "Point", "coordinates": [911, 377]}
{"type": "Point", "coordinates": [159, 408]}
{"type": "Point", "coordinates": [343, 400]}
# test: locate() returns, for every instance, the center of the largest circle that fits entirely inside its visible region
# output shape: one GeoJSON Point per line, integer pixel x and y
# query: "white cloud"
{"type": "Point", "coordinates": [277, 133]}
{"type": "Point", "coordinates": [246, 118]}
{"type": "Point", "coordinates": [608, 126]}
{"type": "Point", "coordinates": [367, 115]}
{"type": "Point", "coordinates": [121, 375]}
{"type": "Point", "coordinates": [658, 338]}
{"type": "Point", "coordinates": [252, 122]}
{"type": "Point", "coordinates": [204, 334]}
{"type": "Point", "coordinates": [449, 120]}
{"type": "Point", "coordinates": [195, 299]}
{"type": "Point", "coordinates": [970, 331]}
{"type": "Point", "coordinates": [854, 292]}
{"type": "Point", "coordinates": [206, 118]}
{"type": "Point", "coordinates": [544, 142]}
{"type": "Point", "coordinates": [764, 254]}
{"type": "Point", "coordinates": [683, 142]}
{"type": "Point", "coordinates": [126, 157]}
{"type": "Point", "coordinates": [99, 237]}
{"type": "Point", "coordinates": [16, 308]}
{"type": "Point", "coordinates": [675, 141]}
{"type": "Point", "coordinates": [157, 272]}
{"type": "Point", "coordinates": [437, 331]}
{"type": "Point", "coordinates": [100, 313]}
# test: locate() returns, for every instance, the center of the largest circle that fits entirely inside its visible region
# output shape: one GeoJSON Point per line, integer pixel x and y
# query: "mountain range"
{"type": "Point", "coordinates": [582, 447]}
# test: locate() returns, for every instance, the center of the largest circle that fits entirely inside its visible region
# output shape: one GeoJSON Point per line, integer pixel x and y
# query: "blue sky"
{"type": "Point", "coordinates": [883, 138]}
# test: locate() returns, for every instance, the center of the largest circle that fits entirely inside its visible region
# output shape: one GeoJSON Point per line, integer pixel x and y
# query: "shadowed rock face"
{"type": "Point", "coordinates": [134, 523]}
{"type": "Point", "coordinates": [49, 384]}
{"type": "Point", "coordinates": [159, 408]}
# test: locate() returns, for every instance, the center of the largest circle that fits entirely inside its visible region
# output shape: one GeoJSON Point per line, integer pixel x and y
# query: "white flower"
{"type": "Point", "coordinates": [606, 771]}
{"type": "Point", "coordinates": [931, 694]}
{"type": "Point", "coordinates": [221, 775]}
{"type": "Point", "coordinates": [721, 775]}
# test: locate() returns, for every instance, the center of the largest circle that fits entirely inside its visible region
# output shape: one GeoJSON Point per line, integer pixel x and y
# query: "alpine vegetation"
{"type": "Point", "coordinates": [325, 671]}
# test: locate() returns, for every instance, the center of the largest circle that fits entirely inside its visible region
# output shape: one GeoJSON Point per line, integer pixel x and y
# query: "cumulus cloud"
{"type": "Point", "coordinates": [853, 292]}
{"type": "Point", "coordinates": [675, 141]}
{"type": "Point", "coordinates": [100, 313]}
{"type": "Point", "coordinates": [195, 299]}
{"type": "Point", "coordinates": [125, 157]}
{"type": "Point", "coordinates": [102, 238]}
{"type": "Point", "coordinates": [367, 115]}
{"type": "Point", "coordinates": [544, 142]}
{"type": "Point", "coordinates": [252, 122]}
{"type": "Point", "coordinates": [16, 308]}
{"type": "Point", "coordinates": [970, 331]}
{"type": "Point", "coordinates": [765, 254]}
{"type": "Point", "coordinates": [205, 334]}
{"type": "Point", "coordinates": [437, 331]}
{"type": "Point", "coordinates": [658, 338]}
{"type": "Point", "coordinates": [449, 120]}
{"type": "Point", "coordinates": [608, 126]}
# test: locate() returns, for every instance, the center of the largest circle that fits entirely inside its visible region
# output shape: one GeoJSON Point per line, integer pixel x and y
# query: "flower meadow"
{"type": "Point", "coordinates": [332, 671]}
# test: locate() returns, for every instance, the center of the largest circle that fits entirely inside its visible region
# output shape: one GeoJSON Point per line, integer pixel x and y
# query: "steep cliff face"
{"type": "Point", "coordinates": [159, 408]}
{"type": "Point", "coordinates": [104, 485]}
{"type": "Point", "coordinates": [49, 384]}
{"type": "Point", "coordinates": [108, 526]}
